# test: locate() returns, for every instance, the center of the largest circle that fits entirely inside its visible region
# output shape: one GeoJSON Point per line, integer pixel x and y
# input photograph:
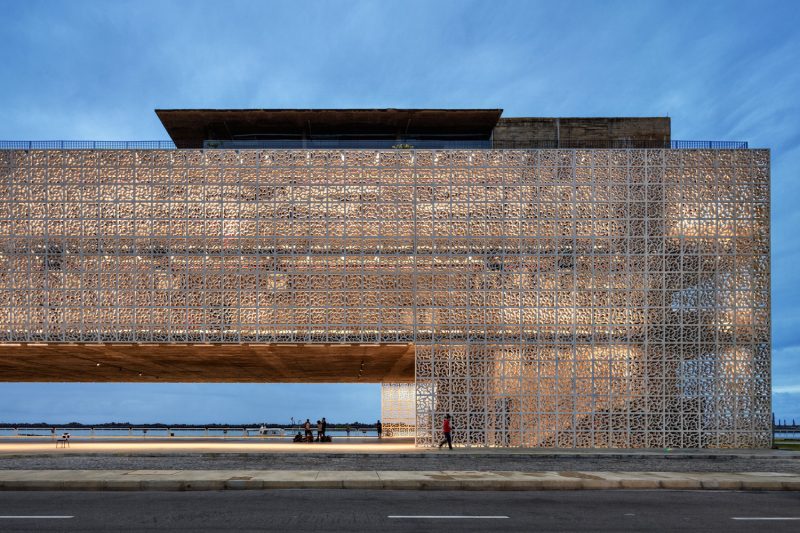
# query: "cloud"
{"type": "Point", "coordinates": [786, 367]}
{"type": "Point", "coordinates": [720, 70]}
{"type": "Point", "coordinates": [786, 405]}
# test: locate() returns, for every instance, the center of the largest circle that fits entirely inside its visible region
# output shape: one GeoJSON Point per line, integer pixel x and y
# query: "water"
{"type": "Point", "coordinates": [237, 433]}
{"type": "Point", "coordinates": [176, 432]}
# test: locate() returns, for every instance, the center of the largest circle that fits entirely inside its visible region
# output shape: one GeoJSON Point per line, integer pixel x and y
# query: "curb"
{"type": "Point", "coordinates": [144, 480]}
{"type": "Point", "coordinates": [169, 485]}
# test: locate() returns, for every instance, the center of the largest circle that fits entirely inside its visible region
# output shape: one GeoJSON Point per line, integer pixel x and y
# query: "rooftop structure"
{"type": "Point", "coordinates": [405, 128]}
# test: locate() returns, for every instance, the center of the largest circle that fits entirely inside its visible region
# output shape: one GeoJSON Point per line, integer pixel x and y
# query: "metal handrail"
{"type": "Point", "coordinates": [162, 432]}
{"type": "Point", "coordinates": [619, 144]}
{"type": "Point", "coordinates": [87, 145]}
{"type": "Point", "coordinates": [381, 145]}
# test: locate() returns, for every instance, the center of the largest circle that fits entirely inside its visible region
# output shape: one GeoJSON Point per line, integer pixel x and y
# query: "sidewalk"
{"type": "Point", "coordinates": [181, 480]}
{"type": "Point", "coordinates": [389, 447]}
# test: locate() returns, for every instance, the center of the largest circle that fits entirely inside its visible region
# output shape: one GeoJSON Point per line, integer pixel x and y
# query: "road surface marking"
{"type": "Point", "coordinates": [20, 517]}
{"type": "Point", "coordinates": [765, 517]}
{"type": "Point", "coordinates": [446, 516]}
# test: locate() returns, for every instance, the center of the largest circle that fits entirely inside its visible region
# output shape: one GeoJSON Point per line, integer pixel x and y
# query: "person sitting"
{"type": "Point", "coordinates": [63, 441]}
{"type": "Point", "coordinates": [299, 437]}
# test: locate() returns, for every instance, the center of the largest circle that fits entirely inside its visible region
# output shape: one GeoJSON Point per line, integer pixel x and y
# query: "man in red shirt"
{"type": "Point", "coordinates": [446, 431]}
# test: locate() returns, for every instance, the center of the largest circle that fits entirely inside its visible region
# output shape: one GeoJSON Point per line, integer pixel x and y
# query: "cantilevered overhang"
{"type": "Point", "coordinates": [200, 363]}
{"type": "Point", "coordinates": [188, 128]}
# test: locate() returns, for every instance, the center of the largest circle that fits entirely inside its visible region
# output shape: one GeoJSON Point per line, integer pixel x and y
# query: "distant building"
{"type": "Point", "coordinates": [555, 282]}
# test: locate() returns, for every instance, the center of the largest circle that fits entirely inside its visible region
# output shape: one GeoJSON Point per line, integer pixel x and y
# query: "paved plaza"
{"type": "Point", "coordinates": [398, 446]}
{"type": "Point", "coordinates": [372, 454]}
{"type": "Point", "coordinates": [388, 464]}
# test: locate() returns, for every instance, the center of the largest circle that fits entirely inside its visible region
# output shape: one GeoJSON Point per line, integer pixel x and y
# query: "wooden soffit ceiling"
{"type": "Point", "coordinates": [197, 363]}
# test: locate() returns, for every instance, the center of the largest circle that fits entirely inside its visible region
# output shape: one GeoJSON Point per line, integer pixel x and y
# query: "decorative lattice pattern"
{"type": "Point", "coordinates": [398, 409]}
{"type": "Point", "coordinates": [556, 297]}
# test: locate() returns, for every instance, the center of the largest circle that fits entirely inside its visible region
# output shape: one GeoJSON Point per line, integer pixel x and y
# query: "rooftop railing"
{"type": "Point", "coordinates": [379, 145]}
{"type": "Point", "coordinates": [619, 144]}
{"type": "Point", "coordinates": [160, 432]}
{"type": "Point", "coordinates": [87, 145]}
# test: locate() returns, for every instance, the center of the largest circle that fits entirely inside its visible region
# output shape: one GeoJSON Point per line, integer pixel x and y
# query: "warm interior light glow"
{"type": "Point", "coordinates": [553, 297]}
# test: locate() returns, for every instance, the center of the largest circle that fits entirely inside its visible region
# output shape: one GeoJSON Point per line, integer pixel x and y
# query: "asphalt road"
{"type": "Point", "coordinates": [355, 511]}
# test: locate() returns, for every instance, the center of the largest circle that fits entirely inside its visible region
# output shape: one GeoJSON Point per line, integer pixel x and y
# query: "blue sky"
{"type": "Point", "coordinates": [96, 70]}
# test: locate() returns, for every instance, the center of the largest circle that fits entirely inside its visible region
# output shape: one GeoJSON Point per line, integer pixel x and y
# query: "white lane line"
{"type": "Point", "coordinates": [448, 516]}
{"type": "Point", "coordinates": [32, 517]}
{"type": "Point", "coordinates": [765, 518]}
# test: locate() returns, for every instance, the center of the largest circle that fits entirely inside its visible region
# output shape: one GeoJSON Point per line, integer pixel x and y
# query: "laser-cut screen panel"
{"type": "Point", "coordinates": [556, 297]}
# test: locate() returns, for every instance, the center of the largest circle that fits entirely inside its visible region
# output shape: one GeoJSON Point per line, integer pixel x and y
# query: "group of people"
{"type": "Point", "coordinates": [322, 427]}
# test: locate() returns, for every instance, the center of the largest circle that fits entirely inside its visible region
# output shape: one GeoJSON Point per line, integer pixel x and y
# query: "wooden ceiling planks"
{"type": "Point", "coordinates": [206, 363]}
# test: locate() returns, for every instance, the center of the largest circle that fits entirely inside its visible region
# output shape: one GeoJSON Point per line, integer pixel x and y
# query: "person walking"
{"type": "Point", "coordinates": [446, 430]}
{"type": "Point", "coordinates": [379, 429]}
{"type": "Point", "coordinates": [324, 427]}
{"type": "Point", "coordinates": [309, 434]}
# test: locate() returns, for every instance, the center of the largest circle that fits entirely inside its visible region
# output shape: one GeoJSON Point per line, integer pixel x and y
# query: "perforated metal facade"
{"type": "Point", "coordinates": [398, 409]}
{"type": "Point", "coordinates": [608, 298]}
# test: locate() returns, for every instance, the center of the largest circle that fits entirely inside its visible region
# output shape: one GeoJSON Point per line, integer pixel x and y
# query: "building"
{"type": "Point", "coordinates": [549, 282]}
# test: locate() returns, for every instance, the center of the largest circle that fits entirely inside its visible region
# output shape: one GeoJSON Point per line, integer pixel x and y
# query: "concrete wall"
{"type": "Point", "coordinates": [581, 132]}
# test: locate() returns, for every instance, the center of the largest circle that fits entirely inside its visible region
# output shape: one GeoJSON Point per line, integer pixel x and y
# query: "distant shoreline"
{"type": "Point", "coordinates": [116, 425]}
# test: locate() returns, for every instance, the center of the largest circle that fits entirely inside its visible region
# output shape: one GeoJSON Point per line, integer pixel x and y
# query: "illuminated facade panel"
{"type": "Point", "coordinates": [565, 298]}
{"type": "Point", "coordinates": [398, 409]}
